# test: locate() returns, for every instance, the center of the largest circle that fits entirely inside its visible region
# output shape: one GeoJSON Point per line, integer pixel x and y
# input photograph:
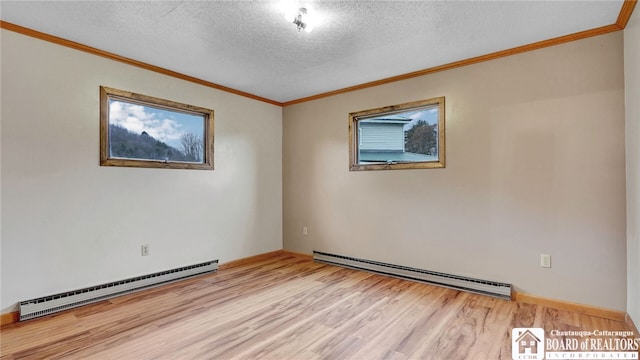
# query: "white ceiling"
{"type": "Point", "coordinates": [248, 46]}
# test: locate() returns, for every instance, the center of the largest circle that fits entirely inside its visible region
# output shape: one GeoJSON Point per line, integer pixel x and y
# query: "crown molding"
{"type": "Point", "coordinates": [623, 18]}
{"type": "Point", "coordinates": [91, 50]}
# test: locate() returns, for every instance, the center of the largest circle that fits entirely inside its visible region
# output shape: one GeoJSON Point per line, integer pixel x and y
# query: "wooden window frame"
{"type": "Point", "coordinates": [354, 143]}
{"type": "Point", "coordinates": [107, 94]}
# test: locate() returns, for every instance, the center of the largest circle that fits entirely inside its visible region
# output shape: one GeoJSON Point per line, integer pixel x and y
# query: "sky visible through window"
{"type": "Point", "coordinates": [164, 125]}
{"type": "Point", "coordinates": [430, 115]}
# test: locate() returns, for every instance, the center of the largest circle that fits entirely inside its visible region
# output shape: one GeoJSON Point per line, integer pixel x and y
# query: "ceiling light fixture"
{"type": "Point", "coordinates": [301, 18]}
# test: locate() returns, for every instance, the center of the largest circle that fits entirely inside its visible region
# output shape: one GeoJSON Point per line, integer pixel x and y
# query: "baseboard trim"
{"type": "Point", "coordinates": [250, 259]}
{"type": "Point", "coordinates": [261, 257]}
{"type": "Point", "coordinates": [297, 254]}
{"type": "Point", "coordinates": [630, 324]}
{"type": "Point", "coordinates": [604, 313]}
{"type": "Point", "coordinates": [9, 318]}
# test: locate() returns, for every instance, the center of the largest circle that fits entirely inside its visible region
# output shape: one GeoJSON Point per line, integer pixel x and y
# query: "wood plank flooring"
{"type": "Point", "coordinates": [288, 307]}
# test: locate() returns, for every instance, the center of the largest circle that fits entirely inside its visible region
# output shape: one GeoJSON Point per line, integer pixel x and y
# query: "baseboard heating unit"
{"type": "Point", "coordinates": [55, 303]}
{"type": "Point", "coordinates": [484, 287]}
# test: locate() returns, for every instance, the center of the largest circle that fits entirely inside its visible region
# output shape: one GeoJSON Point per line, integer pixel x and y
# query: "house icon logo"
{"type": "Point", "coordinates": [527, 343]}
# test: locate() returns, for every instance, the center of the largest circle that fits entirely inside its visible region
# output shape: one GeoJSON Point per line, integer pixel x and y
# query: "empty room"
{"type": "Point", "coordinates": [320, 179]}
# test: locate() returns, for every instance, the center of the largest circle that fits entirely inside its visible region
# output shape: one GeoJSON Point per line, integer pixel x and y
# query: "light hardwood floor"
{"type": "Point", "coordinates": [288, 307]}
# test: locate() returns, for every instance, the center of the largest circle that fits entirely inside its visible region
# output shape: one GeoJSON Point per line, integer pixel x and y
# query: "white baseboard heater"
{"type": "Point", "coordinates": [484, 287]}
{"type": "Point", "coordinates": [55, 303]}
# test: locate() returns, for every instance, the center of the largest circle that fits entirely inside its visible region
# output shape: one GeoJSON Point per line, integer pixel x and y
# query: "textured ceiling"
{"type": "Point", "coordinates": [248, 46]}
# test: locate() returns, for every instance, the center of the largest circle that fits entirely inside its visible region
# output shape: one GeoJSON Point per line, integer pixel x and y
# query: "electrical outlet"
{"type": "Point", "coordinates": [305, 231]}
{"type": "Point", "coordinates": [545, 260]}
{"type": "Point", "coordinates": [144, 250]}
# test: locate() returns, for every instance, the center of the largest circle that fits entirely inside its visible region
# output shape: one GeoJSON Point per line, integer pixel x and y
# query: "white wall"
{"type": "Point", "coordinates": [68, 223]}
{"type": "Point", "coordinates": [535, 164]}
{"type": "Point", "coordinates": [632, 114]}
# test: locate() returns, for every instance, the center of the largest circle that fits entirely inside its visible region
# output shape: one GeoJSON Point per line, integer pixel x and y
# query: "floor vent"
{"type": "Point", "coordinates": [484, 287]}
{"type": "Point", "coordinates": [55, 303]}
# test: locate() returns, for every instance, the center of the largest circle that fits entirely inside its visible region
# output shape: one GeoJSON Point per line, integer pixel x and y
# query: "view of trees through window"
{"type": "Point", "coordinates": [142, 131]}
{"type": "Point", "coordinates": [127, 144]}
{"type": "Point", "coordinates": [422, 138]}
{"type": "Point", "coordinates": [405, 136]}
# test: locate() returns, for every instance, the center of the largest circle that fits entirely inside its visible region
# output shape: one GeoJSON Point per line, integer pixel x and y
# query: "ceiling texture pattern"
{"type": "Point", "coordinates": [248, 45]}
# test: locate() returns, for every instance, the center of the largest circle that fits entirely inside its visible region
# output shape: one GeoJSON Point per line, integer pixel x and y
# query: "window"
{"type": "Point", "coordinates": [405, 136]}
{"type": "Point", "coordinates": [143, 131]}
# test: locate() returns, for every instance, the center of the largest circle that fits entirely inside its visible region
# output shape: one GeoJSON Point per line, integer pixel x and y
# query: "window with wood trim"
{"type": "Point", "coordinates": [143, 131]}
{"type": "Point", "coordinates": [404, 136]}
